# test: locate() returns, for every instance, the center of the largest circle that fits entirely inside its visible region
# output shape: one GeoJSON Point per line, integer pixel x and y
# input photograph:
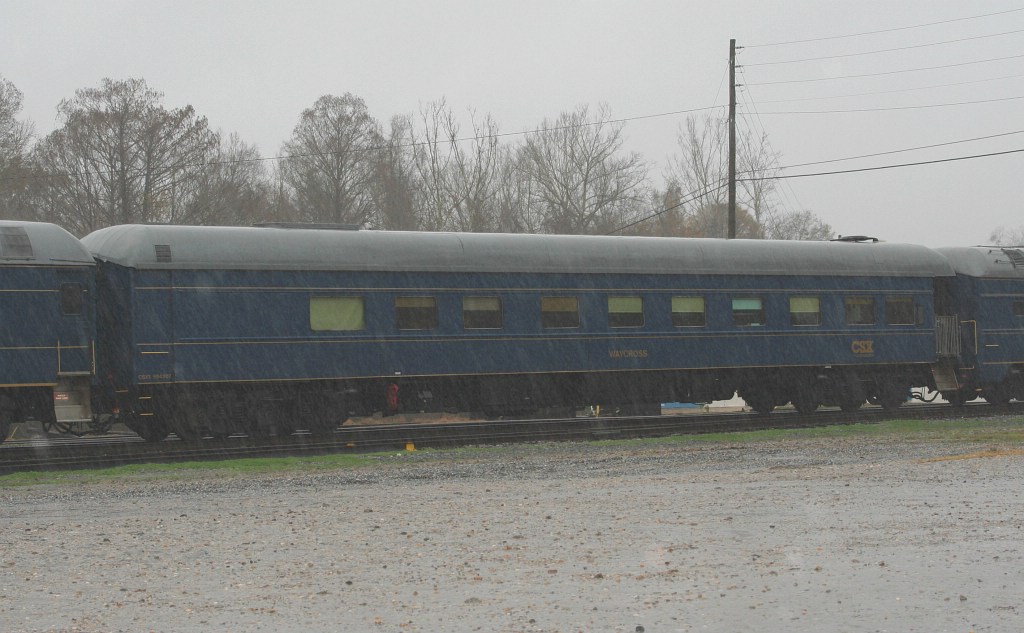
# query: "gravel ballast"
{"type": "Point", "coordinates": [851, 534]}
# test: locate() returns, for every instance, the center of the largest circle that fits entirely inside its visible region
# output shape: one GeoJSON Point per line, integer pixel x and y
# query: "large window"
{"type": "Point", "coordinates": [560, 312]}
{"type": "Point", "coordinates": [860, 311]}
{"type": "Point", "coordinates": [747, 311]}
{"type": "Point", "coordinates": [900, 311]}
{"type": "Point", "coordinates": [337, 314]}
{"type": "Point", "coordinates": [805, 311]}
{"type": "Point", "coordinates": [415, 313]}
{"type": "Point", "coordinates": [688, 312]}
{"type": "Point", "coordinates": [625, 311]}
{"type": "Point", "coordinates": [481, 313]}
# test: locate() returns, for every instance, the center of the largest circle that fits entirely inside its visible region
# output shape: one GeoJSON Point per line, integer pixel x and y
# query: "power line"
{"type": "Point", "coordinates": [890, 72]}
{"type": "Point", "coordinates": [916, 107]}
{"type": "Point", "coordinates": [892, 30]}
{"type": "Point", "coordinates": [885, 50]}
{"type": "Point", "coordinates": [852, 171]}
{"type": "Point", "coordinates": [900, 151]}
{"type": "Point", "coordinates": [690, 198]}
{"type": "Point", "coordinates": [885, 92]}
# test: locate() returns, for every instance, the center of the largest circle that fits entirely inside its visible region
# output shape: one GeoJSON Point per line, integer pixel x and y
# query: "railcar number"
{"type": "Point", "coordinates": [151, 377]}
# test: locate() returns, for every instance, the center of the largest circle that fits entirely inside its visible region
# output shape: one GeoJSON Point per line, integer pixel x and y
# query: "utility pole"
{"type": "Point", "coordinates": [732, 139]}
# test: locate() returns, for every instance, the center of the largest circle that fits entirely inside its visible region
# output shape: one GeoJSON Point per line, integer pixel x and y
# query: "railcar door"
{"type": "Point", "coordinates": [75, 352]}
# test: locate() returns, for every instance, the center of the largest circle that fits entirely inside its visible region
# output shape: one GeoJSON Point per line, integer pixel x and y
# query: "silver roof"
{"type": "Point", "coordinates": [40, 243]}
{"type": "Point", "coordinates": [986, 261]}
{"type": "Point", "coordinates": [250, 248]}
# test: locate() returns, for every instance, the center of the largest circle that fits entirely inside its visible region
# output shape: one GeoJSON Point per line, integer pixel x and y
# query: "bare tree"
{"type": "Point", "coordinates": [799, 225]}
{"type": "Point", "coordinates": [458, 177]}
{"type": "Point", "coordinates": [582, 181]}
{"type": "Point", "coordinates": [15, 136]}
{"type": "Point", "coordinates": [120, 157]}
{"type": "Point", "coordinates": [395, 190]}
{"type": "Point", "coordinates": [331, 161]}
{"type": "Point", "coordinates": [700, 174]}
{"type": "Point", "coordinates": [233, 189]}
{"type": "Point", "coordinates": [1008, 236]}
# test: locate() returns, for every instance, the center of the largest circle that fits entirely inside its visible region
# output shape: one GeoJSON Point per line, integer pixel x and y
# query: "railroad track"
{"type": "Point", "coordinates": [100, 452]}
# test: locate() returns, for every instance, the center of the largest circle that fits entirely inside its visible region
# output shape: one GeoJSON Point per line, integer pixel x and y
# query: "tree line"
{"type": "Point", "coordinates": [119, 156]}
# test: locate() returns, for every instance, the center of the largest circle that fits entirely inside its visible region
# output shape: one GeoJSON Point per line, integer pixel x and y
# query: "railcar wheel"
{"type": "Point", "coordinates": [760, 401]}
{"type": "Point", "coordinates": [850, 405]}
{"type": "Point", "coordinates": [998, 395]}
{"type": "Point", "coordinates": [891, 396]}
{"type": "Point", "coordinates": [806, 401]}
{"type": "Point", "coordinates": [152, 432]}
{"type": "Point", "coordinates": [5, 428]}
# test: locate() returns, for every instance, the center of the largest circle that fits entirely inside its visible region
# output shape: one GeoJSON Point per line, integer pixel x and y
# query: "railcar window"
{"type": "Point", "coordinates": [481, 313]}
{"type": "Point", "coordinates": [416, 313]}
{"type": "Point", "coordinates": [1018, 308]}
{"type": "Point", "coordinates": [900, 311]}
{"type": "Point", "coordinates": [559, 312]}
{"type": "Point", "coordinates": [688, 312]}
{"type": "Point", "coordinates": [805, 311]}
{"type": "Point", "coordinates": [343, 314]}
{"type": "Point", "coordinates": [625, 311]}
{"type": "Point", "coordinates": [71, 299]}
{"type": "Point", "coordinates": [747, 311]}
{"type": "Point", "coordinates": [860, 311]}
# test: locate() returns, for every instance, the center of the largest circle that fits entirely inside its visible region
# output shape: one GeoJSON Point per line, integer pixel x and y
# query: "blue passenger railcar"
{"type": "Point", "coordinates": [46, 327]}
{"type": "Point", "coordinates": [219, 327]}
{"type": "Point", "coordinates": [987, 298]}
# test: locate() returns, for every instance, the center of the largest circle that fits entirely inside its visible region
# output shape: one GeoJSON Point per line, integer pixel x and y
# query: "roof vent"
{"type": "Point", "coordinates": [1016, 256]}
{"type": "Point", "coordinates": [854, 238]}
{"type": "Point", "coordinates": [14, 243]}
{"type": "Point", "coordinates": [163, 253]}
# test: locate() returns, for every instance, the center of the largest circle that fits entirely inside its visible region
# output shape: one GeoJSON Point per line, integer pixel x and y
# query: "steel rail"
{"type": "Point", "coordinates": [65, 454]}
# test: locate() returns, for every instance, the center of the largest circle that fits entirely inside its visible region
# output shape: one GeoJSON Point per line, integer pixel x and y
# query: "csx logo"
{"type": "Point", "coordinates": [863, 348]}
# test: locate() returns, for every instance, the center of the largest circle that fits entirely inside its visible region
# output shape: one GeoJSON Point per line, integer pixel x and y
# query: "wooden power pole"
{"type": "Point", "coordinates": [732, 139]}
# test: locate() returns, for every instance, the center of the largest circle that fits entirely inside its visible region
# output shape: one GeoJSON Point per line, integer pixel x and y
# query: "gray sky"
{"type": "Point", "coordinates": [252, 67]}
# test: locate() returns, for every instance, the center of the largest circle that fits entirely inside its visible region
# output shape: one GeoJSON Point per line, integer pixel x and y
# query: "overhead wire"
{"type": "Point", "coordinates": [888, 72]}
{"type": "Point", "coordinates": [885, 50]}
{"type": "Point", "coordinates": [892, 30]}
{"type": "Point", "coordinates": [883, 167]}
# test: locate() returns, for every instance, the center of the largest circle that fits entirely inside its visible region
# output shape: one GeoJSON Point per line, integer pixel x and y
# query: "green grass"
{"type": "Point", "coordinates": [182, 470]}
{"type": "Point", "coordinates": [1000, 432]}
{"type": "Point", "coordinates": [983, 430]}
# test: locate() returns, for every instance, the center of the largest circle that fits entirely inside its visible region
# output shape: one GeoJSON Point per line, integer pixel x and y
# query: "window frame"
{"type": "Point", "coordinates": [500, 312]}
{"type": "Point", "coordinates": [324, 298]}
{"type": "Point", "coordinates": [903, 300]}
{"type": "Point", "coordinates": [703, 313]}
{"type": "Point", "coordinates": [544, 314]}
{"type": "Point", "coordinates": [793, 320]}
{"type": "Point", "coordinates": [627, 313]}
{"type": "Point", "coordinates": [864, 300]}
{"type": "Point", "coordinates": [737, 321]}
{"type": "Point", "coordinates": [432, 323]}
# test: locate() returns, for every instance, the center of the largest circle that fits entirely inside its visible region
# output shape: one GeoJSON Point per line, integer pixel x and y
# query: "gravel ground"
{"type": "Point", "coordinates": [856, 534]}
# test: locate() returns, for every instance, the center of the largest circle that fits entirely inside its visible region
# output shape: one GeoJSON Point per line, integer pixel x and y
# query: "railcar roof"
{"type": "Point", "coordinates": [986, 261]}
{"type": "Point", "coordinates": [253, 248]}
{"type": "Point", "coordinates": [40, 243]}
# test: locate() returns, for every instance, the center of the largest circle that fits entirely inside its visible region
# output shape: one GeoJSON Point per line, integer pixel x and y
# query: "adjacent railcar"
{"type": "Point", "coordinates": [217, 329]}
{"type": "Point", "coordinates": [47, 327]}
{"type": "Point", "coordinates": [987, 296]}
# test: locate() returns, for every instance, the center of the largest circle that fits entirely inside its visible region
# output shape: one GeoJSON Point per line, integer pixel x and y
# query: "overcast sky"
{"type": "Point", "coordinates": [252, 67]}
